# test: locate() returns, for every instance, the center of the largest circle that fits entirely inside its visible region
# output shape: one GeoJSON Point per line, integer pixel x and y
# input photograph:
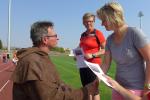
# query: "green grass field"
{"type": "Point", "coordinates": [66, 66]}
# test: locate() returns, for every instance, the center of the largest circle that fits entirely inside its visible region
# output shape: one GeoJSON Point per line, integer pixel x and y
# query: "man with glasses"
{"type": "Point", "coordinates": [35, 76]}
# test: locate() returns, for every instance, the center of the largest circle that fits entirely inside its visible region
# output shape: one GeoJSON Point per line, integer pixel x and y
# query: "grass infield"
{"type": "Point", "coordinates": [69, 73]}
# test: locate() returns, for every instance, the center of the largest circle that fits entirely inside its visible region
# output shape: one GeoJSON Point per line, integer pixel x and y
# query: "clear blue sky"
{"type": "Point", "coordinates": [67, 17]}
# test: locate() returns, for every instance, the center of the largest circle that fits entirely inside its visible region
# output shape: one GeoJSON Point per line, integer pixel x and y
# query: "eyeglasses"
{"type": "Point", "coordinates": [89, 21]}
{"type": "Point", "coordinates": [52, 35]}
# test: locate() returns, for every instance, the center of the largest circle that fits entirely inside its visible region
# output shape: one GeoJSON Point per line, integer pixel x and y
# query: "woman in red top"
{"type": "Point", "coordinates": [92, 42]}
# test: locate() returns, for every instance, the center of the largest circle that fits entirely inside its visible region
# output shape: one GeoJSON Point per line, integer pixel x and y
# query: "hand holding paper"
{"type": "Point", "coordinates": [98, 71]}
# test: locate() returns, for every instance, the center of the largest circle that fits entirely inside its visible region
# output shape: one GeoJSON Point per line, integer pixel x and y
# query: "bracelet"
{"type": "Point", "coordinates": [147, 86]}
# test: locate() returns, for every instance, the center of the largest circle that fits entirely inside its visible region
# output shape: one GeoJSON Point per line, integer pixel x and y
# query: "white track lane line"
{"type": "Point", "coordinates": [1, 89]}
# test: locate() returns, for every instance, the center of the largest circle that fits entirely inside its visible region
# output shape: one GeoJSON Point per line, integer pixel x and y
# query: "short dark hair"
{"type": "Point", "coordinates": [38, 30]}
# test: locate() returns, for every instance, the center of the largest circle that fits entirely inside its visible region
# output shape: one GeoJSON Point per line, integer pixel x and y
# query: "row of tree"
{"type": "Point", "coordinates": [1, 44]}
{"type": "Point", "coordinates": [58, 49]}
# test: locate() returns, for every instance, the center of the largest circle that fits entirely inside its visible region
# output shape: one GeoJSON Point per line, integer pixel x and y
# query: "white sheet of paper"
{"type": "Point", "coordinates": [78, 52]}
{"type": "Point", "coordinates": [98, 71]}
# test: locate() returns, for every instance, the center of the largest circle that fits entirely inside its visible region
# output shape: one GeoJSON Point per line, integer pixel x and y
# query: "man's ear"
{"type": "Point", "coordinates": [44, 40]}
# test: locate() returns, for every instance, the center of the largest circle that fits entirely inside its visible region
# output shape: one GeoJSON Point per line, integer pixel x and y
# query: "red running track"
{"type": "Point", "coordinates": [6, 70]}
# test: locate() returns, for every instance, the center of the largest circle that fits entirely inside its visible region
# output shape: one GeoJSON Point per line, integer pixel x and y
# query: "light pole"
{"type": "Point", "coordinates": [9, 29]}
{"type": "Point", "coordinates": [140, 14]}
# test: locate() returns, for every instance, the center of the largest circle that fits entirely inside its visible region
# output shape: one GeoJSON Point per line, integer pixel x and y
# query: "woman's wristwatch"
{"type": "Point", "coordinates": [93, 55]}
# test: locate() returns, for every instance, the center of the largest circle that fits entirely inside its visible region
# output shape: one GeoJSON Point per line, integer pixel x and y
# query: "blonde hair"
{"type": "Point", "coordinates": [111, 12]}
{"type": "Point", "coordinates": [88, 15]}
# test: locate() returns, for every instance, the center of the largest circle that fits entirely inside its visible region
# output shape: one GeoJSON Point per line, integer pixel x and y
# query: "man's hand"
{"type": "Point", "coordinates": [93, 87]}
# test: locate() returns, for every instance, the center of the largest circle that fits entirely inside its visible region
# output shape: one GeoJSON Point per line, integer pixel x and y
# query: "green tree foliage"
{"type": "Point", "coordinates": [1, 45]}
{"type": "Point", "coordinates": [58, 49]}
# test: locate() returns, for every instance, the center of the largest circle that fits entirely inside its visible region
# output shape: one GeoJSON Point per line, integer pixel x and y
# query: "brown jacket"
{"type": "Point", "coordinates": [36, 78]}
